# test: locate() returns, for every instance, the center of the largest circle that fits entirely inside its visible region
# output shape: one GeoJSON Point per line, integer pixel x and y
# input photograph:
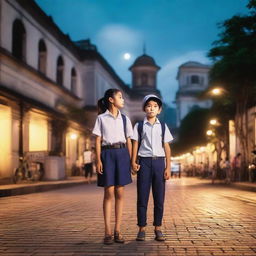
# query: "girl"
{"type": "Point", "coordinates": [113, 152]}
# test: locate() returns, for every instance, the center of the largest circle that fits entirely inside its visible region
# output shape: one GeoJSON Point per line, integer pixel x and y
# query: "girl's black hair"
{"type": "Point", "coordinates": [103, 103]}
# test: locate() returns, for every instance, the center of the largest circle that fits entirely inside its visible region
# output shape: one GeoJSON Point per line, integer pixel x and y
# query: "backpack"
{"type": "Point", "coordinates": [140, 131]}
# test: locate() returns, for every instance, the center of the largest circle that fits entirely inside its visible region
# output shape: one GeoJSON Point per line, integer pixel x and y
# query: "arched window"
{"type": "Point", "coordinates": [144, 79]}
{"type": "Point", "coordinates": [73, 81]}
{"type": "Point", "coordinates": [18, 40]}
{"type": "Point", "coordinates": [194, 79]}
{"type": "Point", "coordinates": [42, 55]}
{"type": "Point", "coordinates": [60, 71]}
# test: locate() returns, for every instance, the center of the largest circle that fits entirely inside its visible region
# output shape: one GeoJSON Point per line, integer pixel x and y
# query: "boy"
{"type": "Point", "coordinates": [151, 146]}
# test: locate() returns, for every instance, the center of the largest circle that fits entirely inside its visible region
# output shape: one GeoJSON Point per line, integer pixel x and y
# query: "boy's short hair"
{"type": "Point", "coordinates": [152, 97]}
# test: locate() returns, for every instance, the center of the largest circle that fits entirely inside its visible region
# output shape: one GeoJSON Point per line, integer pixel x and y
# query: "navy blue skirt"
{"type": "Point", "coordinates": [116, 168]}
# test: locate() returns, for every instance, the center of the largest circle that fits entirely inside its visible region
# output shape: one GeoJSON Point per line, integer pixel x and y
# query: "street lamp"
{"type": "Point", "coordinates": [73, 136]}
{"type": "Point", "coordinates": [213, 121]}
{"type": "Point", "coordinates": [209, 132]}
{"type": "Point", "coordinates": [216, 91]}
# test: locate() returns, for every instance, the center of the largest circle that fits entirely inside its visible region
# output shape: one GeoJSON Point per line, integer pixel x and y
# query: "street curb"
{"type": "Point", "coordinates": [37, 188]}
{"type": "Point", "coordinates": [243, 187]}
{"type": "Point", "coordinates": [236, 185]}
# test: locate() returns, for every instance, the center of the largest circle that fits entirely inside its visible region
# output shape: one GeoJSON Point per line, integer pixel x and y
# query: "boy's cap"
{"type": "Point", "coordinates": [151, 97]}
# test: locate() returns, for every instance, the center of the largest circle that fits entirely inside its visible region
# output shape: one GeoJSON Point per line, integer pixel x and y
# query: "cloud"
{"type": "Point", "coordinates": [118, 36]}
{"type": "Point", "coordinates": [113, 40]}
{"type": "Point", "coordinates": [167, 82]}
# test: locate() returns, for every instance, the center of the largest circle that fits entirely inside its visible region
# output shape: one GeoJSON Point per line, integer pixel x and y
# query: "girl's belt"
{"type": "Point", "coordinates": [115, 145]}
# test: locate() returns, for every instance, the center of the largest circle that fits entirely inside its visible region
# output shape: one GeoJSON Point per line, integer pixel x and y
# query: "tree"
{"type": "Point", "coordinates": [234, 56]}
{"type": "Point", "coordinates": [192, 131]}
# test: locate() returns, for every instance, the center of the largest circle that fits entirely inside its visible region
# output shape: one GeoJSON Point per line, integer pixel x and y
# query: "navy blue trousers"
{"type": "Point", "coordinates": [151, 173]}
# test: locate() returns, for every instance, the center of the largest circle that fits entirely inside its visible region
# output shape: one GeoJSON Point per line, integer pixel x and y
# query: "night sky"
{"type": "Point", "coordinates": [174, 31]}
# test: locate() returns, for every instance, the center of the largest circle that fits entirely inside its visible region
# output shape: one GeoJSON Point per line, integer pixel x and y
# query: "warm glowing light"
{"type": "Point", "coordinates": [209, 132]}
{"type": "Point", "coordinates": [213, 122]}
{"type": "Point", "coordinates": [73, 136]}
{"type": "Point", "coordinates": [38, 133]}
{"type": "Point", "coordinates": [202, 149]}
{"type": "Point", "coordinates": [5, 139]}
{"type": "Point", "coordinates": [127, 56]}
{"type": "Point", "coordinates": [216, 91]}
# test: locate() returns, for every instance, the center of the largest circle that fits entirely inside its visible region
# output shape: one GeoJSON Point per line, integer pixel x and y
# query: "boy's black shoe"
{"type": "Point", "coordinates": [159, 236]}
{"type": "Point", "coordinates": [141, 236]}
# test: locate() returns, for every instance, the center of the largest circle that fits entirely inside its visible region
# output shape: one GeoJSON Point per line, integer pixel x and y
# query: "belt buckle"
{"type": "Point", "coordinates": [154, 158]}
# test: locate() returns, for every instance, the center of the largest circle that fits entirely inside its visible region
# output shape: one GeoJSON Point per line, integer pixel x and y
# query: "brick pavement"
{"type": "Point", "coordinates": [200, 219]}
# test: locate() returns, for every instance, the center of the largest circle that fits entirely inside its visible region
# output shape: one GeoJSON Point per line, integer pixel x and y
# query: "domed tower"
{"type": "Point", "coordinates": [144, 75]}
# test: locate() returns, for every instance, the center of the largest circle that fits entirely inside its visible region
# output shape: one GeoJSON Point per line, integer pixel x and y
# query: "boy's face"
{"type": "Point", "coordinates": [152, 109]}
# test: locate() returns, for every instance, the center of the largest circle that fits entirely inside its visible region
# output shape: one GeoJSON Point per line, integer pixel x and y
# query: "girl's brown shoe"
{"type": "Point", "coordinates": [108, 240]}
{"type": "Point", "coordinates": [118, 238]}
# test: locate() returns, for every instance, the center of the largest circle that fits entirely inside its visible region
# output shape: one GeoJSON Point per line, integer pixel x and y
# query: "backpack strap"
{"type": "Point", "coordinates": [140, 131]}
{"type": "Point", "coordinates": [163, 131]}
{"type": "Point", "coordinates": [124, 122]}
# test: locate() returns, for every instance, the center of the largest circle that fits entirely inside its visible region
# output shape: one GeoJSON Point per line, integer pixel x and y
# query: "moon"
{"type": "Point", "coordinates": [127, 56]}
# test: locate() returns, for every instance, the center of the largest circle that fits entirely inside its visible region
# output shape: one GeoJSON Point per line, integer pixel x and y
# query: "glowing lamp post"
{"type": "Point", "coordinates": [213, 121]}
{"type": "Point", "coordinates": [73, 136]}
{"type": "Point", "coordinates": [209, 132]}
{"type": "Point", "coordinates": [216, 91]}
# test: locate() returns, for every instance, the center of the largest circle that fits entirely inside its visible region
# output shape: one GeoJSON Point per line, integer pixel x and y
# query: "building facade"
{"type": "Point", "coordinates": [192, 80]}
{"type": "Point", "coordinates": [49, 88]}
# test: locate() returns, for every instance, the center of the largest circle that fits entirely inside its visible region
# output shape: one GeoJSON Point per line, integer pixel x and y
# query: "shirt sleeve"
{"type": "Point", "coordinates": [135, 133]}
{"type": "Point", "coordinates": [167, 135]}
{"type": "Point", "coordinates": [97, 127]}
{"type": "Point", "coordinates": [129, 130]}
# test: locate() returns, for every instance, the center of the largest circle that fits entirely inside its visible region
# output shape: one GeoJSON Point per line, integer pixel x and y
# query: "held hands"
{"type": "Point", "coordinates": [135, 168]}
{"type": "Point", "coordinates": [167, 174]}
{"type": "Point", "coordinates": [99, 167]}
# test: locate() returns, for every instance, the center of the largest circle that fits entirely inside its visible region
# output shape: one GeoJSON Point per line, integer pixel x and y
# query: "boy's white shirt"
{"type": "Point", "coordinates": [111, 129]}
{"type": "Point", "coordinates": [151, 139]}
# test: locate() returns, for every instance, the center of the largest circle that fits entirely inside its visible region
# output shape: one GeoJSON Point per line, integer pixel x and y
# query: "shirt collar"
{"type": "Point", "coordinates": [107, 112]}
{"type": "Point", "coordinates": [146, 121]}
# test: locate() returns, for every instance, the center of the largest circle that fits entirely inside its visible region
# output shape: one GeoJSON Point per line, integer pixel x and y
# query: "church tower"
{"type": "Point", "coordinates": [144, 75]}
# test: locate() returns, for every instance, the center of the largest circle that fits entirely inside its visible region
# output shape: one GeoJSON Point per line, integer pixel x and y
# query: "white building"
{"type": "Point", "coordinates": [49, 88]}
{"type": "Point", "coordinates": [192, 79]}
{"type": "Point", "coordinates": [40, 79]}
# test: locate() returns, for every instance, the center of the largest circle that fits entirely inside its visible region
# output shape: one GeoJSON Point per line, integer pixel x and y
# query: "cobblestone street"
{"type": "Point", "coordinates": [200, 219]}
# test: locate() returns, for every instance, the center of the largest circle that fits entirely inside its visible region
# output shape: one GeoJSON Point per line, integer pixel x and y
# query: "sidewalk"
{"type": "Point", "coordinates": [200, 219]}
{"type": "Point", "coordinates": [248, 186]}
{"type": "Point", "coordinates": [35, 187]}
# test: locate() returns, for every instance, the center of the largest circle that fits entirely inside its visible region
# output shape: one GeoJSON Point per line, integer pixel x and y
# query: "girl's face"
{"type": "Point", "coordinates": [117, 100]}
{"type": "Point", "coordinates": [152, 109]}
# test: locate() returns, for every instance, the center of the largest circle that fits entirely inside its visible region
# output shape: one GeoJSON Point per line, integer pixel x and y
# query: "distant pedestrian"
{"type": "Point", "coordinates": [236, 167]}
{"type": "Point", "coordinates": [222, 169]}
{"type": "Point", "coordinates": [227, 169]}
{"type": "Point", "coordinates": [88, 165]}
{"type": "Point", "coordinates": [214, 172]}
